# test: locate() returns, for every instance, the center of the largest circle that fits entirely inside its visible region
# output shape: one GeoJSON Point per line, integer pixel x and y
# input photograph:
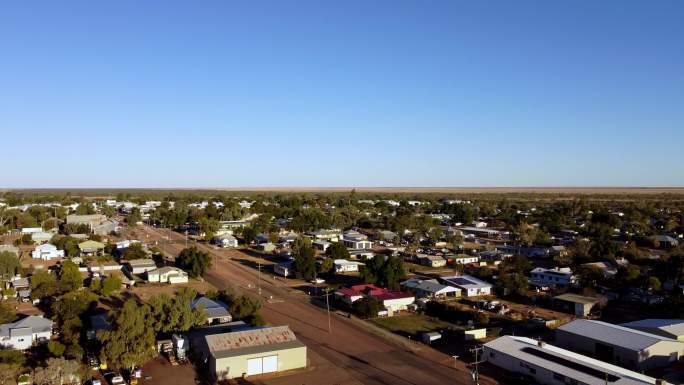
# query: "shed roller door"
{"type": "Point", "coordinates": [254, 366]}
{"type": "Point", "coordinates": [270, 364]}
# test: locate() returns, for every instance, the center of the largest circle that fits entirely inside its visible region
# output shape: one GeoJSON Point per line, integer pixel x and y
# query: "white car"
{"type": "Point", "coordinates": [318, 280]}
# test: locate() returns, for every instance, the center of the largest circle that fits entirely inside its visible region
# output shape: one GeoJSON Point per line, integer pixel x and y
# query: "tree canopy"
{"type": "Point", "coordinates": [194, 261]}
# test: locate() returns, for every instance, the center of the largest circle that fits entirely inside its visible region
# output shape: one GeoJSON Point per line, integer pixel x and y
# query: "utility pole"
{"type": "Point", "coordinates": [259, 276]}
{"type": "Point", "coordinates": [327, 305]}
{"type": "Point", "coordinates": [475, 372]}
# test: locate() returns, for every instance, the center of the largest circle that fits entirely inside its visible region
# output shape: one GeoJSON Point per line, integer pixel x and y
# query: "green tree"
{"type": "Point", "coordinates": [131, 340]}
{"type": "Point", "coordinates": [244, 307]}
{"type": "Point", "coordinates": [70, 278]}
{"type": "Point", "coordinates": [134, 217]}
{"type": "Point", "coordinates": [337, 251]}
{"type": "Point", "coordinates": [384, 271]}
{"type": "Point", "coordinates": [135, 251]}
{"type": "Point", "coordinates": [173, 315]}
{"type": "Point", "coordinates": [9, 265]}
{"type": "Point", "coordinates": [43, 284]}
{"type": "Point", "coordinates": [194, 261]}
{"type": "Point", "coordinates": [249, 234]}
{"type": "Point", "coordinates": [56, 348]}
{"type": "Point", "coordinates": [110, 285]}
{"type": "Point", "coordinates": [7, 313]}
{"type": "Point", "coordinates": [326, 267]}
{"type": "Point", "coordinates": [367, 307]}
{"type": "Point", "coordinates": [304, 265]}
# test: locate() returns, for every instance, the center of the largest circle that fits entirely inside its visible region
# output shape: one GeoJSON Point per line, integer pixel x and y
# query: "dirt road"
{"type": "Point", "coordinates": [350, 353]}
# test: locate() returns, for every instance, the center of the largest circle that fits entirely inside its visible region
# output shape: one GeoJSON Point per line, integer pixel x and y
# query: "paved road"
{"type": "Point", "coordinates": [350, 354]}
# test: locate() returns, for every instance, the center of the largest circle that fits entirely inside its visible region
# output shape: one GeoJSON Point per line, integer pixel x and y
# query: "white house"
{"type": "Point", "coordinates": [41, 237]}
{"type": "Point", "coordinates": [431, 260]}
{"type": "Point", "coordinates": [556, 276]}
{"type": "Point", "coordinates": [470, 286]}
{"type": "Point", "coordinates": [226, 241]}
{"type": "Point", "coordinates": [167, 274]}
{"type": "Point", "coordinates": [47, 252]}
{"type": "Point", "coordinates": [140, 266]}
{"type": "Point", "coordinates": [283, 268]}
{"type": "Point", "coordinates": [430, 288]}
{"type": "Point", "coordinates": [464, 259]}
{"type": "Point", "coordinates": [344, 266]}
{"type": "Point", "coordinates": [361, 253]}
{"type": "Point", "coordinates": [321, 245]}
{"type": "Point", "coordinates": [20, 335]}
{"type": "Point", "coordinates": [126, 243]}
{"type": "Point", "coordinates": [215, 310]}
{"type": "Point", "coordinates": [31, 230]}
{"type": "Point", "coordinates": [354, 240]}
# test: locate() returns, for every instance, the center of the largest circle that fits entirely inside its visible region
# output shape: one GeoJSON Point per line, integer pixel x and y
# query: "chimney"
{"type": "Point", "coordinates": [540, 343]}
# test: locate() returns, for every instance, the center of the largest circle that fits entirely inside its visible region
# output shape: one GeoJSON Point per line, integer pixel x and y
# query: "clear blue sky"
{"type": "Point", "coordinates": [345, 93]}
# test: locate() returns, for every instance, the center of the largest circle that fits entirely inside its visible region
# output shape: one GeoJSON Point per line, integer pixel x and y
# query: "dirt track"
{"type": "Point", "coordinates": [350, 354]}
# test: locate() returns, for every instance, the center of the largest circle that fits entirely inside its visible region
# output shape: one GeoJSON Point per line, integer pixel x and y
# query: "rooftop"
{"type": "Point", "coordinates": [575, 366]}
{"type": "Point", "coordinates": [613, 334]}
{"type": "Point", "coordinates": [261, 339]}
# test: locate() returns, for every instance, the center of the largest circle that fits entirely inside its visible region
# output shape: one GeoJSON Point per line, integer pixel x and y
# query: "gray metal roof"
{"type": "Point", "coordinates": [33, 323]}
{"type": "Point", "coordinates": [428, 285]}
{"type": "Point", "coordinates": [673, 328]}
{"type": "Point", "coordinates": [212, 308]}
{"type": "Point", "coordinates": [613, 334]}
{"type": "Point", "coordinates": [576, 366]}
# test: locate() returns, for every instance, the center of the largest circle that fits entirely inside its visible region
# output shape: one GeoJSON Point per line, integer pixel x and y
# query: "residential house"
{"type": "Point", "coordinates": [41, 237]}
{"type": "Point", "coordinates": [266, 247]}
{"type": "Point", "coordinates": [361, 254]}
{"type": "Point", "coordinates": [167, 274]}
{"type": "Point", "coordinates": [619, 345]}
{"type": "Point", "coordinates": [345, 266]}
{"type": "Point", "coordinates": [352, 239]}
{"type": "Point", "coordinates": [140, 266]}
{"type": "Point", "coordinates": [392, 301]}
{"type": "Point", "coordinates": [21, 335]}
{"type": "Point", "coordinates": [431, 260]}
{"type": "Point", "coordinates": [430, 288]}
{"type": "Point", "coordinates": [558, 276]}
{"type": "Point", "coordinates": [464, 259]}
{"type": "Point", "coordinates": [216, 311]}
{"type": "Point", "coordinates": [664, 241]}
{"type": "Point", "coordinates": [226, 241]}
{"type": "Point", "coordinates": [386, 236]}
{"type": "Point", "coordinates": [321, 245]}
{"type": "Point", "coordinates": [470, 286]}
{"type": "Point", "coordinates": [606, 268]}
{"type": "Point", "coordinates": [578, 305]}
{"type": "Point", "coordinates": [91, 248]}
{"type": "Point", "coordinates": [47, 252]}
{"type": "Point", "coordinates": [330, 235]}
{"type": "Point", "coordinates": [283, 268]}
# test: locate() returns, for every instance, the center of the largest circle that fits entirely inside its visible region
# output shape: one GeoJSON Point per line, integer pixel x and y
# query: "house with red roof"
{"type": "Point", "coordinates": [393, 301]}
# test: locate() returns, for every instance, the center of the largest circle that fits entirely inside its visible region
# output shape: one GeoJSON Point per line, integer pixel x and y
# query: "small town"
{"type": "Point", "coordinates": [289, 288]}
{"type": "Point", "coordinates": [326, 192]}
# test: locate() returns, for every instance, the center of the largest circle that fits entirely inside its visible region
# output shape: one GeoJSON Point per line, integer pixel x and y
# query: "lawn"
{"type": "Point", "coordinates": [413, 324]}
